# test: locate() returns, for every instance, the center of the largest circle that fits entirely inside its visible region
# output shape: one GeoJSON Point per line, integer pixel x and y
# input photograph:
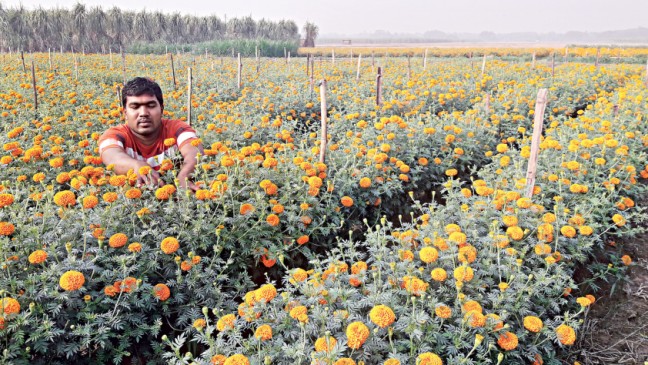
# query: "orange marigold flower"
{"type": "Point", "coordinates": [299, 275]}
{"type": "Point", "coordinates": [627, 260]}
{"type": "Point", "coordinates": [162, 292]}
{"type": "Point", "coordinates": [265, 293]}
{"type": "Point", "coordinates": [568, 231]}
{"type": "Point", "coordinates": [226, 322]}
{"type": "Point", "coordinates": [325, 344]}
{"type": "Point", "coordinates": [472, 305]}
{"type": "Point", "coordinates": [185, 266]}
{"type": "Point", "coordinates": [507, 341]}
{"type": "Point", "coordinates": [72, 280]}
{"type": "Point", "coordinates": [263, 333]}
{"type": "Point", "coordinates": [365, 182]}
{"type": "Point", "coordinates": [428, 254]}
{"type": "Point", "coordinates": [110, 197]}
{"type": "Point", "coordinates": [533, 324]}
{"type": "Point", "coordinates": [346, 201]}
{"type": "Point", "coordinates": [272, 220]}
{"type": "Point", "coordinates": [110, 291]}
{"type": "Point", "coordinates": [199, 324]}
{"type": "Point", "coordinates": [127, 285]}
{"type": "Point", "coordinates": [6, 200]}
{"type": "Point", "coordinates": [382, 316]}
{"type": "Point", "coordinates": [246, 208]}
{"type": "Point", "coordinates": [344, 361]}
{"type": "Point", "coordinates": [65, 199]}
{"type": "Point", "coordinates": [169, 245]}
{"type": "Point", "coordinates": [566, 335]}
{"type": "Point", "coordinates": [303, 240]}
{"type": "Point", "coordinates": [357, 333]}
{"type": "Point", "coordinates": [10, 306]}
{"type": "Point", "coordinates": [135, 247]}
{"type": "Point", "coordinates": [169, 142]}
{"type": "Point", "coordinates": [429, 358]}
{"type": "Point", "coordinates": [218, 360]}
{"type": "Point", "coordinates": [475, 319]}
{"type": "Point", "coordinates": [133, 193]}
{"type": "Point", "coordinates": [299, 313]}
{"type": "Point", "coordinates": [37, 257]}
{"type": "Point", "coordinates": [414, 285]}
{"type": "Point", "coordinates": [237, 359]}
{"type": "Point", "coordinates": [439, 274]}
{"type": "Point", "coordinates": [117, 240]}
{"type": "Point", "coordinates": [90, 202]}
{"type": "Point", "coordinates": [463, 273]}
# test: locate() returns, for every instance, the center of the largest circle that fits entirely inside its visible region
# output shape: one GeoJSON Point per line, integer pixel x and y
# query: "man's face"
{"type": "Point", "coordinates": [143, 115]}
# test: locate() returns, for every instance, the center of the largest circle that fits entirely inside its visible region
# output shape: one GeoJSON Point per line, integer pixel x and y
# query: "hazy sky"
{"type": "Point", "coordinates": [413, 16]}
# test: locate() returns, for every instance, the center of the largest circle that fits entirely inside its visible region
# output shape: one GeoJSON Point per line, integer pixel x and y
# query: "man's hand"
{"type": "Point", "coordinates": [123, 163]}
{"type": "Point", "coordinates": [185, 183]}
{"type": "Point", "coordinates": [146, 176]}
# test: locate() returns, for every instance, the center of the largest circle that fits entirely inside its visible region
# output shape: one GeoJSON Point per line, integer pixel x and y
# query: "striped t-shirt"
{"type": "Point", "coordinates": [122, 137]}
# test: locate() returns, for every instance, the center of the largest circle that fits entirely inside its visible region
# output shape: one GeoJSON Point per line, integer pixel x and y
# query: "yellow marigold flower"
{"type": "Point", "coordinates": [117, 240]}
{"type": "Point", "coordinates": [347, 201]}
{"type": "Point", "coordinates": [65, 199]}
{"type": "Point", "coordinates": [110, 197]}
{"type": "Point", "coordinates": [37, 257]}
{"type": "Point", "coordinates": [265, 293]}
{"type": "Point", "coordinates": [10, 306]}
{"type": "Point", "coordinates": [263, 333]}
{"type": "Point", "coordinates": [315, 182]}
{"type": "Point", "coordinates": [475, 319]}
{"type": "Point", "coordinates": [457, 237]}
{"type": "Point", "coordinates": [463, 273]}
{"type": "Point", "coordinates": [169, 142]}
{"type": "Point", "coordinates": [357, 333]}
{"type": "Point", "coordinates": [428, 254]}
{"type": "Point", "coordinates": [382, 316]}
{"type": "Point", "coordinates": [515, 233]}
{"type": "Point", "coordinates": [583, 301]}
{"type": "Point", "coordinates": [472, 305]}
{"type": "Point", "coordinates": [299, 313]}
{"type": "Point", "coordinates": [144, 170]}
{"type": "Point", "coordinates": [429, 358]}
{"type": "Point", "coordinates": [162, 292]}
{"type": "Point", "coordinates": [439, 274]}
{"type": "Point", "coordinates": [358, 267]}
{"type": "Point", "coordinates": [618, 220]}
{"type": "Point", "coordinates": [325, 344]}
{"type": "Point", "coordinates": [568, 231]}
{"type": "Point", "coordinates": [299, 275]}
{"type": "Point", "coordinates": [133, 193]}
{"type": "Point", "coordinates": [365, 182]}
{"type": "Point", "coordinates": [414, 285]}
{"type": "Point", "coordinates": [467, 254]}
{"type": "Point", "coordinates": [507, 341]}
{"type": "Point", "coordinates": [443, 311]}
{"type": "Point", "coordinates": [199, 324]}
{"type": "Point", "coordinates": [566, 335]}
{"type": "Point", "coordinates": [392, 361]}
{"type": "Point", "coordinates": [451, 172]}
{"type": "Point", "coordinates": [226, 322]}
{"type": "Point", "coordinates": [524, 203]}
{"type": "Point", "coordinates": [585, 230]}
{"type": "Point", "coordinates": [510, 220]}
{"type": "Point", "coordinates": [533, 324]}
{"type": "Point", "coordinates": [169, 245]}
{"type": "Point", "coordinates": [135, 247]}
{"type": "Point", "coordinates": [72, 280]}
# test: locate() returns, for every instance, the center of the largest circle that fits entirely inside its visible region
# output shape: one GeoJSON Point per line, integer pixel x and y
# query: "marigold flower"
{"type": "Point", "coordinates": [199, 324]}
{"type": "Point", "coordinates": [463, 273]}
{"type": "Point", "coordinates": [117, 240]}
{"type": "Point", "coordinates": [10, 306]}
{"type": "Point", "coordinates": [135, 247]}
{"type": "Point", "coordinates": [533, 324]}
{"type": "Point", "coordinates": [627, 260]}
{"type": "Point", "coordinates": [218, 360]}
{"type": "Point", "coordinates": [169, 142]}
{"type": "Point", "coordinates": [344, 361]}
{"type": "Point", "coordinates": [127, 285]}
{"type": "Point", "coordinates": [467, 254]}
{"type": "Point", "coordinates": [71, 280]}
{"type": "Point", "coordinates": [392, 361]}
{"type": "Point", "coordinates": [273, 220]}
{"type": "Point", "coordinates": [226, 322]}
{"type": "Point", "coordinates": [507, 341]}
{"type": "Point", "coordinates": [185, 266]}
{"type": "Point", "coordinates": [37, 257]}
{"type": "Point", "coordinates": [299, 275]}
{"type": "Point", "coordinates": [65, 199]}
{"type": "Point", "coordinates": [346, 201]}
{"type": "Point", "coordinates": [246, 208]}
{"type": "Point", "coordinates": [169, 245]}
{"type": "Point", "coordinates": [325, 344]}
{"type": "Point", "coordinates": [6, 200]}
{"type": "Point", "coordinates": [110, 197]}
{"type": "Point", "coordinates": [475, 319]}
{"type": "Point", "coordinates": [472, 305]}
{"type": "Point", "coordinates": [110, 290]}
{"type": "Point", "coordinates": [357, 333]}
{"type": "Point", "coordinates": [523, 203]}
{"type": "Point", "coordinates": [414, 285]}
{"type": "Point", "coordinates": [618, 220]}
{"type": "Point", "coordinates": [265, 293]}
{"type": "Point", "coordinates": [429, 358]}
{"type": "Point", "coordinates": [583, 301]}
{"type": "Point", "coordinates": [162, 292]}
{"type": "Point", "coordinates": [568, 231]}
{"type": "Point", "coordinates": [299, 313]}
{"type": "Point", "coordinates": [439, 274]}
{"type": "Point", "coordinates": [365, 183]}
{"type": "Point", "coordinates": [428, 254]}
{"type": "Point", "coordinates": [382, 316]}
{"type": "Point", "coordinates": [237, 359]}
{"type": "Point", "coordinates": [263, 333]}
{"type": "Point", "coordinates": [302, 240]}
{"type": "Point", "coordinates": [566, 335]}
{"type": "Point", "coordinates": [133, 193]}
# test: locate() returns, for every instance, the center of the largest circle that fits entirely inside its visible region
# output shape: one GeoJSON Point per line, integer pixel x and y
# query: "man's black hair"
{"type": "Point", "coordinates": [142, 86]}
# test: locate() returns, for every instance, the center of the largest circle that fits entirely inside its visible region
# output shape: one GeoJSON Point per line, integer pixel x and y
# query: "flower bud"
{"type": "Point", "coordinates": [205, 311]}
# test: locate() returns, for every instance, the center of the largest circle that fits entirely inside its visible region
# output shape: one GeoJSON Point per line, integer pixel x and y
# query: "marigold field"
{"type": "Point", "coordinates": [412, 243]}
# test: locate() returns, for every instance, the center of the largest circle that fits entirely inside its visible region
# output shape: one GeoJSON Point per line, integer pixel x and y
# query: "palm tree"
{"type": "Point", "coordinates": [311, 31]}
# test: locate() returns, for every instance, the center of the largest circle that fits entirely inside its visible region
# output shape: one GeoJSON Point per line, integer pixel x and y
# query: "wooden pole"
{"type": "Point", "coordinates": [483, 65]}
{"type": "Point", "coordinates": [111, 59]}
{"type": "Point", "coordinates": [123, 65]}
{"type": "Point", "coordinates": [646, 73]}
{"type": "Point", "coordinates": [487, 103]}
{"type": "Point", "coordinates": [333, 57]}
{"type": "Point", "coordinates": [34, 86]}
{"type": "Point", "coordinates": [538, 119]}
{"type": "Point", "coordinates": [76, 67]}
{"type": "Point", "coordinates": [256, 54]}
{"type": "Point", "coordinates": [175, 84]}
{"type": "Point", "coordinates": [307, 64]}
{"type": "Point", "coordinates": [358, 68]}
{"type": "Point", "coordinates": [189, 88]}
{"type": "Point", "coordinates": [240, 71]}
{"type": "Point", "coordinates": [553, 64]}
{"type": "Point", "coordinates": [22, 57]}
{"type": "Point", "coordinates": [425, 60]}
{"type": "Point", "coordinates": [409, 67]}
{"type": "Point", "coordinates": [598, 55]}
{"type": "Point", "coordinates": [49, 53]}
{"type": "Point", "coordinates": [533, 59]}
{"type": "Point", "coordinates": [373, 62]}
{"type": "Point", "coordinates": [379, 87]}
{"type": "Point", "coordinates": [324, 130]}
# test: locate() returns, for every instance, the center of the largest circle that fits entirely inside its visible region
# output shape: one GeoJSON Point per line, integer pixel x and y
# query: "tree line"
{"type": "Point", "coordinates": [96, 30]}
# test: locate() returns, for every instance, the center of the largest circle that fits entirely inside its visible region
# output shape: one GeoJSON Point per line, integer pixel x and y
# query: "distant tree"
{"type": "Point", "coordinates": [311, 31]}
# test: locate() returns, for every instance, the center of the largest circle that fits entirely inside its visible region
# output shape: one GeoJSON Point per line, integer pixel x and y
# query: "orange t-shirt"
{"type": "Point", "coordinates": [122, 137]}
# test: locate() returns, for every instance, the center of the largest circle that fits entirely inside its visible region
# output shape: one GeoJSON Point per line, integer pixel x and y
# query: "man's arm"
{"type": "Point", "coordinates": [190, 159]}
{"type": "Point", "coordinates": [122, 163]}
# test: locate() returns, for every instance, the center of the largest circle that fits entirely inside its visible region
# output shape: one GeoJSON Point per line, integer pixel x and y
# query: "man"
{"type": "Point", "coordinates": [141, 140]}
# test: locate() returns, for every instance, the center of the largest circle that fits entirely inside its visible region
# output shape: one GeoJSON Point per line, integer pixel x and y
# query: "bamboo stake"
{"type": "Point", "coordinates": [541, 104]}
{"type": "Point", "coordinates": [256, 54]}
{"type": "Point", "coordinates": [175, 84]}
{"type": "Point", "coordinates": [76, 67]}
{"type": "Point", "coordinates": [307, 64]}
{"type": "Point", "coordinates": [483, 65]}
{"type": "Point", "coordinates": [425, 60]}
{"type": "Point", "coordinates": [22, 57]}
{"type": "Point", "coordinates": [123, 65]}
{"type": "Point", "coordinates": [34, 87]}
{"type": "Point", "coordinates": [324, 130]}
{"type": "Point", "coordinates": [189, 88]}
{"type": "Point", "coordinates": [285, 55]}
{"type": "Point", "coordinates": [379, 87]}
{"type": "Point", "coordinates": [111, 59]}
{"type": "Point", "coordinates": [240, 71]}
{"type": "Point", "coordinates": [358, 68]}
{"type": "Point", "coordinates": [49, 53]}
